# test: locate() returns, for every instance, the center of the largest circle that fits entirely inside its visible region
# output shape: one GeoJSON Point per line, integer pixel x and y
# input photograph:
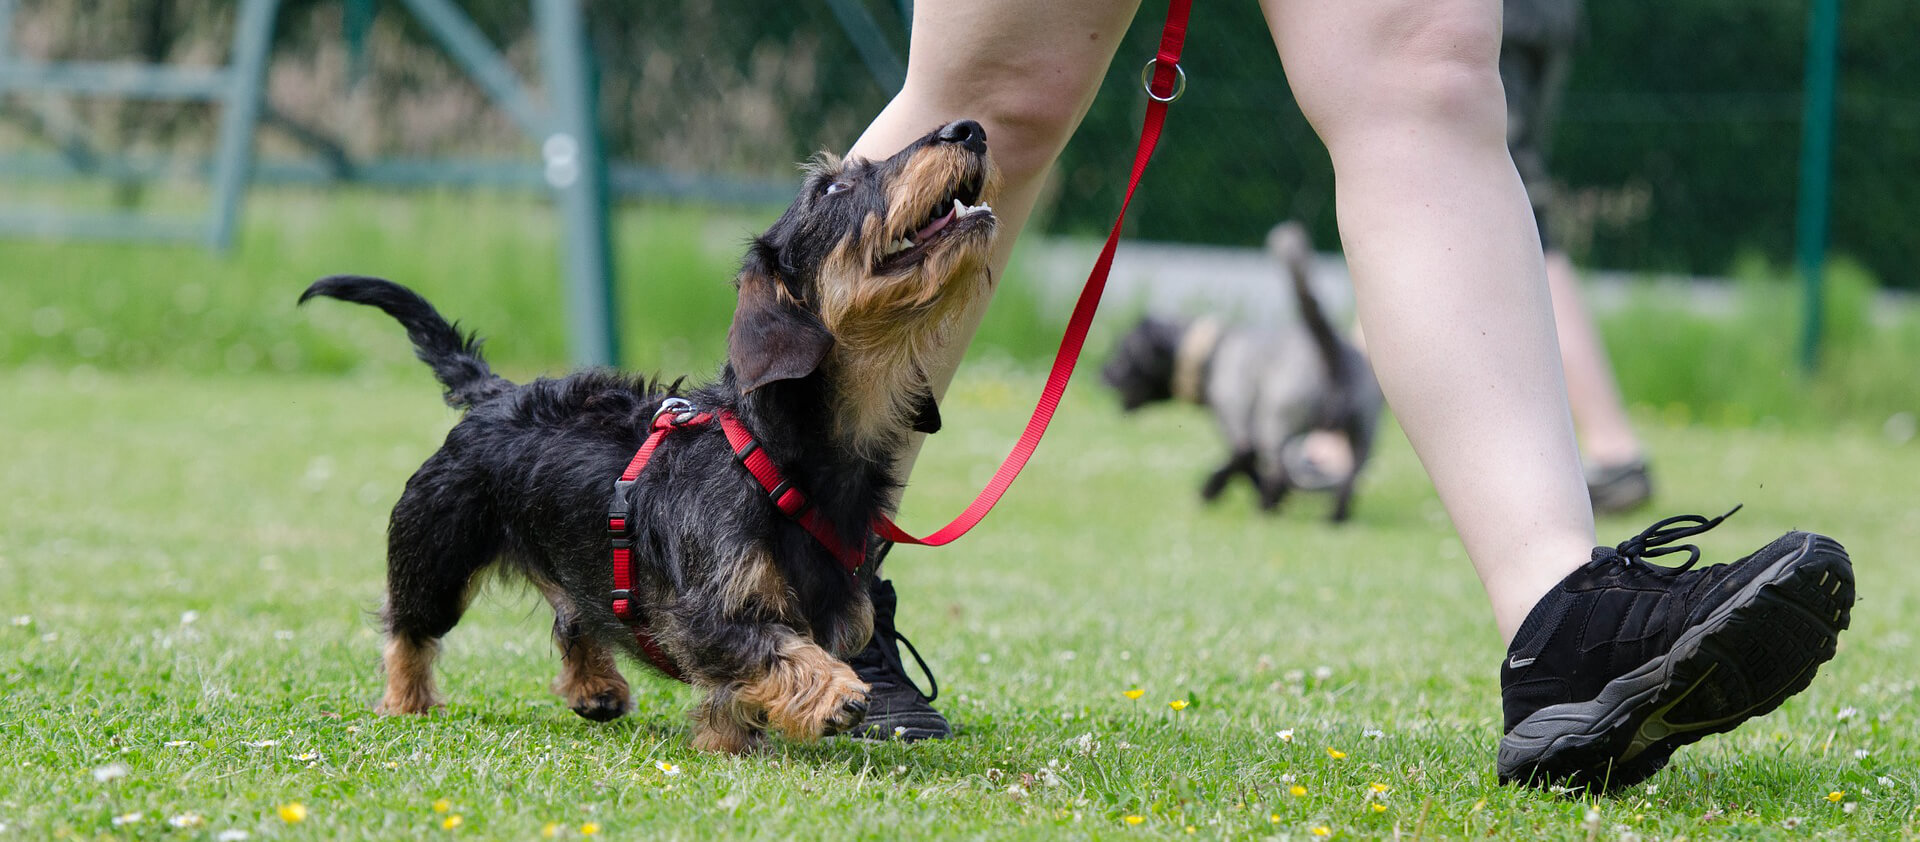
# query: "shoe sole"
{"type": "Point", "coordinates": [1753, 651]}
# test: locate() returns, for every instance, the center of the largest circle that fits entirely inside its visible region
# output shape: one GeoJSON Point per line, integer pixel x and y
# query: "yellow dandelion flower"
{"type": "Point", "coordinates": [1379, 807]}
{"type": "Point", "coordinates": [442, 805]}
{"type": "Point", "coordinates": [1378, 787]}
{"type": "Point", "coordinates": [1192, 830]}
{"type": "Point", "coordinates": [452, 822]}
{"type": "Point", "coordinates": [1321, 830]}
{"type": "Point", "coordinates": [1835, 796]}
{"type": "Point", "coordinates": [1273, 817]}
{"type": "Point", "coordinates": [1135, 819]}
{"type": "Point", "coordinates": [1178, 704]}
{"type": "Point", "coordinates": [1134, 693]}
{"type": "Point", "coordinates": [590, 828]}
{"type": "Point", "coordinates": [1297, 790]}
{"type": "Point", "coordinates": [1336, 754]}
{"type": "Point", "coordinates": [293, 813]}
{"type": "Point", "coordinates": [550, 830]}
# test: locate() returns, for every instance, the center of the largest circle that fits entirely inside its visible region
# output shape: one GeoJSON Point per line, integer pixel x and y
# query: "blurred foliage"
{"type": "Point", "coordinates": [1678, 140]}
{"type": "Point", "coordinates": [488, 261]}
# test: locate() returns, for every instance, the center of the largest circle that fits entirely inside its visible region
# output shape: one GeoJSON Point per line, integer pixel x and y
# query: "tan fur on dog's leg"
{"type": "Point", "coordinates": [808, 694]}
{"type": "Point", "coordinates": [591, 682]}
{"type": "Point", "coordinates": [590, 679]}
{"type": "Point", "coordinates": [409, 667]}
{"type": "Point", "coordinates": [722, 723]}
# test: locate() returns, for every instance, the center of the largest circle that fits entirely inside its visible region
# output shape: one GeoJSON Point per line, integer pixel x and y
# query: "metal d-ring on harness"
{"type": "Point", "coordinates": [677, 414]}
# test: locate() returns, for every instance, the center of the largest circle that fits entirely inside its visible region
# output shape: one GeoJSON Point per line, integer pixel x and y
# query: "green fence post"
{"type": "Point", "coordinates": [870, 44]}
{"type": "Point", "coordinates": [356, 20]}
{"type": "Point", "coordinates": [6, 28]}
{"type": "Point", "coordinates": [577, 172]}
{"type": "Point", "coordinates": [1816, 169]}
{"type": "Point", "coordinates": [246, 81]}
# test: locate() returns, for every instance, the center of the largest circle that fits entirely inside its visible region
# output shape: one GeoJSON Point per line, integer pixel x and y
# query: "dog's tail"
{"type": "Point", "coordinates": [455, 359]}
{"type": "Point", "coordinates": [1290, 244]}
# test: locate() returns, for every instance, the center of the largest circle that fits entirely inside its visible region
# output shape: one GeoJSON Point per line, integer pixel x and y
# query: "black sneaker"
{"type": "Point", "coordinates": [1624, 662]}
{"type": "Point", "coordinates": [1618, 489]}
{"type": "Point", "coordinates": [896, 709]}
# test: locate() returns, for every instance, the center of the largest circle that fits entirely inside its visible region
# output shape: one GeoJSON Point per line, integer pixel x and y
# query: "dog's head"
{"type": "Point", "coordinates": [864, 273]}
{"type": "Point", "coordinates": [1142, 368]}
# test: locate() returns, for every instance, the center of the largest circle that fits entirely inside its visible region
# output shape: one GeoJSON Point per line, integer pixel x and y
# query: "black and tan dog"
{"type": "Point", "coordinates": [839, 302]}
{"type": "Point", "coordinates": [1267, 388]}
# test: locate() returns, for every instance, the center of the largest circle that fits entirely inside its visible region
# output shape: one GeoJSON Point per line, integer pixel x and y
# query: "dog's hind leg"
{"type": "Point", "coordinates": [1241, 462]}
{"type": "Point", "coordinates": [1360, 436]}
{"type": "Point", "coordinates": [1270, 476]}
{"type": "Point", "coordinates": [439, 538]}
{"type": "Point", "coordinates": [589, 678]}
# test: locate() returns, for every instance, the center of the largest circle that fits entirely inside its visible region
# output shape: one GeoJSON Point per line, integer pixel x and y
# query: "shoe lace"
{"type": "Point", "coordinates": [886, 652]}
{"type": "Point", "coordinates": [1651, 541]}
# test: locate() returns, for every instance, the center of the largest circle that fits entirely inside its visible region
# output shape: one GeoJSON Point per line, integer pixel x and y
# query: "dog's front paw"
{"type": "Point", "coordinates": [832, 702]}
{"type": "Point", "coordinates": [808, 694]}
{"type": "Point", "coordinates": [852, 711]}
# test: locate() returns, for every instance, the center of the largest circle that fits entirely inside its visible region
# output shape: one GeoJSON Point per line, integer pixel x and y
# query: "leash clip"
{"type": "Point", "coordinates": [681, 409]}
{"type": "Point", "coordinates": [1179, 81]}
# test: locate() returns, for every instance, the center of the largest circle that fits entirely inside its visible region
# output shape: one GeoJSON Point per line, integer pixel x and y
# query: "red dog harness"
{"type": "Point", "coordinates": [677, 414]}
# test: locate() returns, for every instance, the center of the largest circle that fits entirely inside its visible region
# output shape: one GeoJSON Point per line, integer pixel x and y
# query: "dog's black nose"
{"type": "Point", "coordinates": [967, 133]}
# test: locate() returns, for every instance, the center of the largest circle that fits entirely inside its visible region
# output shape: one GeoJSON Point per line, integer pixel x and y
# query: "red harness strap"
{"type": "Point", "coordinates": [788, 499]}
{"type": "Point", "coordinates": [677, 414]}
{"type": "Point", "coordinates": [673, 415]}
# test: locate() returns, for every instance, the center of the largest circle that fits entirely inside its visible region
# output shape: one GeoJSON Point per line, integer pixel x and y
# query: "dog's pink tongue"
{"type": "Point", "coordinates": [933, 227]}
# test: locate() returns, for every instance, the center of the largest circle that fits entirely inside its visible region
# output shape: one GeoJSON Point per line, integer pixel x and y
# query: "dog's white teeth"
{"type": "Point", "coordinates": [961, 209]}
{"type": "Point", "coordinates": [898, 246]}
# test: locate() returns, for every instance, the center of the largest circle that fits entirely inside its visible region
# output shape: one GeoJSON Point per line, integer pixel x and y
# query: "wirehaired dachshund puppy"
{"type": "Point", "coordinates": [1267, 387]}
{"type": "Point", "coordinates": [840, 302]}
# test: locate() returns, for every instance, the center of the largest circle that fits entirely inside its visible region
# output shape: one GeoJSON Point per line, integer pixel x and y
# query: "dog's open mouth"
{"type": "Point", "coordinates": [959, 210]}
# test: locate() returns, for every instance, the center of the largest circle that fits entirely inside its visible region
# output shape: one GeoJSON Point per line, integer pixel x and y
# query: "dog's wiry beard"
{"type": "Point", "coordinates": [890, 318]}
{"type": "Point", "coordinates": [887, 329]}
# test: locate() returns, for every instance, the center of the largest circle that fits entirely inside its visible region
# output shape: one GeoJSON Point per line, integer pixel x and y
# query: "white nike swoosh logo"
{"type": "Point", "coordinates": [1519, 663]}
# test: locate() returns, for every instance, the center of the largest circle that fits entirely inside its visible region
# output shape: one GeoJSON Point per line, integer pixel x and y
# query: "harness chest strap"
{"type": "Point", "coordinates": [677, 414]}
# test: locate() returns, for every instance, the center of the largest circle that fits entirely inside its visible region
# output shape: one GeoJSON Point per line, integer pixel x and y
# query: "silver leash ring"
{"type": "Point", "coordinates": [1179, 82]}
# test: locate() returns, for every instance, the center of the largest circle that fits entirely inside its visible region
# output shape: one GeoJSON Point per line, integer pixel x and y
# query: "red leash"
{"type": "Point", "coordinates": [1168, 82]}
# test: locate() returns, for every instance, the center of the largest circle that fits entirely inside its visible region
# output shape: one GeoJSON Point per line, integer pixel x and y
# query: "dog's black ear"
{"type": "Point", "coordinates": [772, 337]}
{"type": "Point", "coordinates": [926, 413]}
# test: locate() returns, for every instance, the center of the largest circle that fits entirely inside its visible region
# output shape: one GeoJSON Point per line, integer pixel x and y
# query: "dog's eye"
{"type": "Point", "coordinates": [835, 188]}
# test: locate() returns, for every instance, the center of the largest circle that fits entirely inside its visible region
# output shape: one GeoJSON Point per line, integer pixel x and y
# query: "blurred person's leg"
{"type": "Point", "coordinates": [1606, 433]}
{"type": "Point", "coordinates": [1534, 72]}
{"type": "Point", "coordinates": [1028, 72]}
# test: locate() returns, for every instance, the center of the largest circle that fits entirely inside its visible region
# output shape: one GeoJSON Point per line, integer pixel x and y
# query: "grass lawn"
{"type": "Point", "coordinates": [188, 563]}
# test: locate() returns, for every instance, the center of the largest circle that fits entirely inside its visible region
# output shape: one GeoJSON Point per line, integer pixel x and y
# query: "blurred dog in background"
{"type": "Point", "coordinates": [1268, 387]}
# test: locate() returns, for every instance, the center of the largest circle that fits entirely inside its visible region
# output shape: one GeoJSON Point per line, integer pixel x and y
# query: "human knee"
{"type": "Point", "coordinates": [1029, 108]}
{"type": "Point", "coordinates": [1435, 69]}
